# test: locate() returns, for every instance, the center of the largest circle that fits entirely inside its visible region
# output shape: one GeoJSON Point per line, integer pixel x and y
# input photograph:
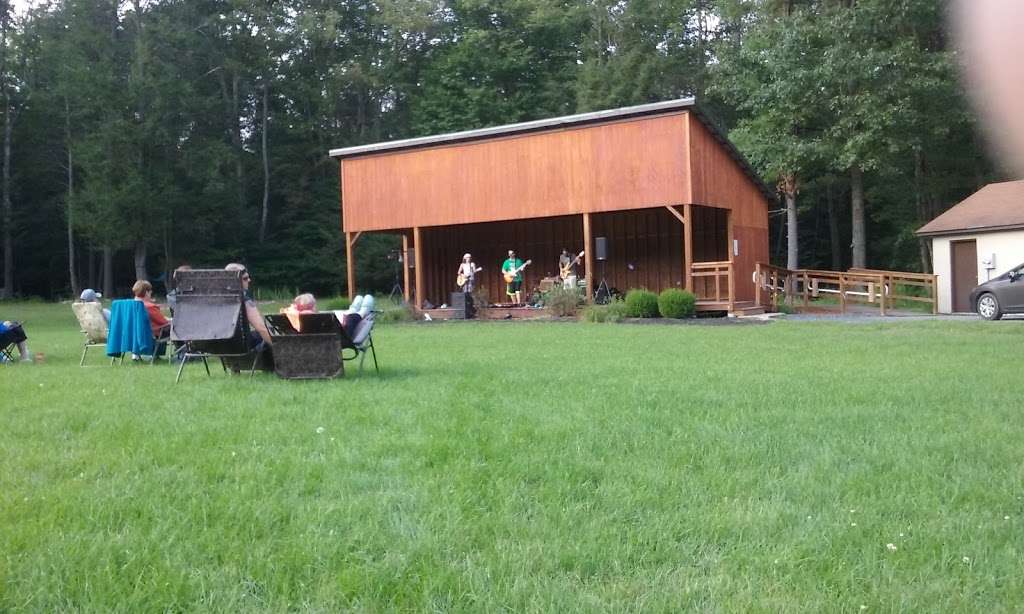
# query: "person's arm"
{"type": "Point", "coordinates": [252, 313]}
{"type": "Point", "coordinates": [156, 316]}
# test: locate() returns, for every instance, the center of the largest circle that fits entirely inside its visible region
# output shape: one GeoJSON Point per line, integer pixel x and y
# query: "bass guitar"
{"type": "Point", "coordinates": [510, 276]}
{"type": "Point", "coordinates": [565, 271]}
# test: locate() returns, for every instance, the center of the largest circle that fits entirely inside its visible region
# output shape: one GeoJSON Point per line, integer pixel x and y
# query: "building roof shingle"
{"type": "Point", "coordinates": [997, 206]}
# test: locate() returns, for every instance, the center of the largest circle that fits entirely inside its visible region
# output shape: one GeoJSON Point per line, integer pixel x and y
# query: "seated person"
{"type": "Point", "coordinates": [258, 328]}
{"type": "Point", "coordinates": [91, 296]}
{"type": "Point", "coordinates": [356, 312]}
{"type": "Point", "coordinates": [303, 303]}
{"type": "Point", "coordinates": [172, 293]}
{"type": "Point", "coordinates": [161, 326]}
{"type": "Point", "coordinates": [13, 332]}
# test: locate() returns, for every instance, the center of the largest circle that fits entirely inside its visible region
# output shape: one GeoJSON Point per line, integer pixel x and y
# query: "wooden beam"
{"type": "Point", "coordinates": [679, 216]}
{"type": "Point", "coordinates": [355, 237]}
{"type": "Point", "coordinates": [688, 246]}
{"type": "Point", "coordinates": [589, 248]}
{"type": "Point", "coordinates": [405, 266]}
{"type": "Point", "coordinates": [350, 265]}
{"type": "Point", "coordinates": [732, 261]}
{"type": "Point", "coordinates": [417, 240]}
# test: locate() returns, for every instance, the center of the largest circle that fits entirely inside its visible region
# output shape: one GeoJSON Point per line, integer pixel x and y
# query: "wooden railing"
{"type": "Point", "coordinates": [717, 276]}
{"type": "Point", "coordinates": [863, 285]}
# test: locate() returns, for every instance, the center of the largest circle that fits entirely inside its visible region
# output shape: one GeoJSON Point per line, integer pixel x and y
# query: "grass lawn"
{"type": "Point", "coordinates": [527, 467]}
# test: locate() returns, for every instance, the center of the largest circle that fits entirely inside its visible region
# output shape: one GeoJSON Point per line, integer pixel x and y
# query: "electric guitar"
{"type": "Point", "coordinates": [510, 276]}
{"type": "Point", "coordinates": [565, 271]}
{"type": "Point", "coordinates": [460, 279]}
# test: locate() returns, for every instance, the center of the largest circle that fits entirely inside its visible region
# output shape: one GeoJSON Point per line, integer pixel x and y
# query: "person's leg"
{"type": "Point", "coordinates": [23, 350]}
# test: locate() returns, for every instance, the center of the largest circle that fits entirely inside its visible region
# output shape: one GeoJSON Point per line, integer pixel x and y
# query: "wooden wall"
{"type": "Point", "coordinates": [629, 164]}
{"type": "Point", "coordinates": [645, 249]}
{"type": "Point", "coordinates": [717, 180]}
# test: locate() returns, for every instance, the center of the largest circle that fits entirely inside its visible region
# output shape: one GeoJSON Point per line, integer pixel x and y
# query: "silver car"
{"type": "Point", "coordinates": [1002, 295]}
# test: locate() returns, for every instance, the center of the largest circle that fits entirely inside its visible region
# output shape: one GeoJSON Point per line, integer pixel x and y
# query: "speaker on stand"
{"type": "Point", "coordinates": [603, 293]}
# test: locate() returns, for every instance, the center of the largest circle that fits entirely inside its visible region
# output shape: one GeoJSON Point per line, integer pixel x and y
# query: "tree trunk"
{"type": "Point", "coordinates": [859, 242]}
{"type": "Point", "coordinates": [140, 261]}
{"type": "Point", "coordinates": [8, 290]}
{"type": "Point", "coordinates": [93, 281]}
{"type": "Point", "coordinates": [266, 165]}
{"type": "Point", "coordinates": [236, 140]}
{"type": "Point", "coordinates": [72, 274]}
{"type": "Point", "coordinates": [108, 271]}
{"type": "Point", "coordinates": [835, 242]}
{"type": "Point", "coordinates": [789, 190]}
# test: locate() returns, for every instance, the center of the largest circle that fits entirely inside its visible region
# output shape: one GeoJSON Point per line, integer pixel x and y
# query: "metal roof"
{"type": "Point", "coordinates": [667, 106]}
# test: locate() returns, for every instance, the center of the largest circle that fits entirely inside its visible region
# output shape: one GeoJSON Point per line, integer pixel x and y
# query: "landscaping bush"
{"type": "Point", "coordinates": [676, 303]}
{"type": "Point", "coordinates": [334, 303]}
{"type": "Point", "coordinates": [562, 302]}
{"type": "Point", "coordinates": [611, 312]}
{"type": "Point", "coordinates": [641, 304]}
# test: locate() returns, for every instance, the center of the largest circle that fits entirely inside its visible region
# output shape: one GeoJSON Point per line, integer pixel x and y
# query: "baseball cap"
{"type": "Point", "coordinates": [89, 295]}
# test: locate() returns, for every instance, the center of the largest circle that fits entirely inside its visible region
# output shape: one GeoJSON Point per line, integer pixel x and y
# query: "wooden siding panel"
{"type": "Point", "coordinates": [630, 164]}
{"type": "Point", "coordinates": [719, 182]}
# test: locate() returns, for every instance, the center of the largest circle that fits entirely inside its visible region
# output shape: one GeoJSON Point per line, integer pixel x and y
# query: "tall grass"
{"type": "Point", "coordinates": [527, 467]}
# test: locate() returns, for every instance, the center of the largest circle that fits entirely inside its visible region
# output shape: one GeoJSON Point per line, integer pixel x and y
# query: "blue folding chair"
{"type": "Point", "coordinates": [130, 332]}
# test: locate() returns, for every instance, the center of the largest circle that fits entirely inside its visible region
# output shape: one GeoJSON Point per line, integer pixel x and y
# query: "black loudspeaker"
{"type": "Point", "coordinates": [411, 259]}
{"type": "Point", "coordinates": [601, 248]}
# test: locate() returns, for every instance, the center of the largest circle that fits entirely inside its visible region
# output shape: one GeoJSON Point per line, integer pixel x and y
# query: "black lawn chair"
{"type": "Point", "coordinates": [360, 342]}
{"type": "Point", "coordinates": [312, 352]}
{"type": "Point", "coordinates": [209, 321]}
{"type": "Point", "coordinates": [10, 339]}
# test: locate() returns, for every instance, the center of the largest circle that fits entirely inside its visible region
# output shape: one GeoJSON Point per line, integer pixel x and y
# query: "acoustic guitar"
{"type": "Point", "coordinates": [460, 279]}
{"type": "Point", "coordinates": [510, 276]}
{"type": "Point", "coordinates": [565, 271]}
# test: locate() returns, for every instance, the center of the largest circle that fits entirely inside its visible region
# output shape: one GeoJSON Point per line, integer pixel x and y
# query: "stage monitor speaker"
{"type": "Point", "coordinates": [601, 248]}
{"type": "Point", "coordinates": [411, 258]}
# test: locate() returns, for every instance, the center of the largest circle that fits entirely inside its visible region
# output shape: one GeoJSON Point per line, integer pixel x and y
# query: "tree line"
{"type": "Point", "coordinates": [143, 134]}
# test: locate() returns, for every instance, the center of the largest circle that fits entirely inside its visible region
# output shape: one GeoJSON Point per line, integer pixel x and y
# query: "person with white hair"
{"type": "Point", "coordinates": [467, 274]}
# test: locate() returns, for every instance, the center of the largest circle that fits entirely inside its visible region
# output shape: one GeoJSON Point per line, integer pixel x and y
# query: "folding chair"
{"type": "Point", "coordinates": [92, 324]}
{"type": "Point", "coordinates": [130, 332]}
{"type": "Point", "coordinates": [360, 342]}
{"type": "Point", "coordinates": [9, 339]}
{"type": "Point", "coordinates": [209, 320]}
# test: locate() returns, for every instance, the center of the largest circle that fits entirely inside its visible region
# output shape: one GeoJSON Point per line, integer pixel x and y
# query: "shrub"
{"type": "Point", "coordinates": [334, 303]}
{"type": "Point", "coordinates": [676, 303]}
{"type": "Point", "coordinates": [394, 312]}
{"type": "Point", "coordinates": [611, 312]}
{"type": "Point", "coordinates": [641, 304]}
{"type": "Point", "coordinates": [562, 302]}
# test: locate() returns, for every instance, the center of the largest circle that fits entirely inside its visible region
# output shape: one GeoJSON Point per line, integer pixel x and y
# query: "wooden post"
{"type": "Point", "coordinates": [418, 251]}
{"type": "Point", "coordinates": [405, 266]}
{"type": "Point", "coordinates": [807, 298]}
{"type": "Point", "coordinates": [732, 265]}
{"type": "Point", "coordinates": [842, 293]}
{"type": "Point", "coordinates": [591, 266]}
{"type": "Point", "coordinates": [350, 265]}
{"type": "Point", "coordinates": [881, 285]}
{"type": "Point", "coordinates": [757, 284]}
{"type": "Point", "coordinates": [688, 247]}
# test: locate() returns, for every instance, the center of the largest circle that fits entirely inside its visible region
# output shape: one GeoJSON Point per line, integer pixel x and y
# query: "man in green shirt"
{"type": "Point", "coordinates": [513, 267]}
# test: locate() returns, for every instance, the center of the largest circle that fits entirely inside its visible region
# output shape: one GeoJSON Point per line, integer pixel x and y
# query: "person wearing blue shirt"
{"type": "Point", "coordinates": [12, 332]}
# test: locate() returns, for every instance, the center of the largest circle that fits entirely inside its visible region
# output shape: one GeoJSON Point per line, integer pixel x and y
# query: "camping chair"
{"type": "Point", "coordinates": [9, 340]}
{"type": "Point", "coordinates": [93, 325]}
{"type": "Point", "coordinates": [306, 347]}
{"type": "Point", "coordinates": [209, 319]}
{"type": "Point", "coordinates": [130, 333]}
{"type": "Point", "coordinates": [360, 342]}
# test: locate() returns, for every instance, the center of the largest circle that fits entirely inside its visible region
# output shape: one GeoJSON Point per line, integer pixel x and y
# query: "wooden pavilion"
{"type": "Point", "coordinates": [677, 205]}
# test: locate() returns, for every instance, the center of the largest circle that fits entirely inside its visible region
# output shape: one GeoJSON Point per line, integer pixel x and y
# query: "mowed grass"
{"type": "Point", "coordinates": [527, 467]}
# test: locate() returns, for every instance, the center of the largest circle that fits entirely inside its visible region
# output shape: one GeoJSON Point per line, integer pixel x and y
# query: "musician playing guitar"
{"type": "Point", "coordinates": [567, 268]}
{"type": "Point", "coordinates": [512, 270]}
{"type": "Point", "coordinates": [467, 274]}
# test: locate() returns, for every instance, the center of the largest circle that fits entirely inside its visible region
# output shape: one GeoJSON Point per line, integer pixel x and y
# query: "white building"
{"type": "Point", "coordinates": [978, 239]}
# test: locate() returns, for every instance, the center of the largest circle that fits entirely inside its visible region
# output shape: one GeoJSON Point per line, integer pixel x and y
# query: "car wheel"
{"type": "Point", "coordinates": [988, 307]}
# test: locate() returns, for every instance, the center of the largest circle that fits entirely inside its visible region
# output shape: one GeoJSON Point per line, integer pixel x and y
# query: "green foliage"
{"type": "Point", "coordinates": [641, 304]}
{"type": "Point", "coordinates": [676, 303]}
{"type": "Point", "coordinates": [335, 303]}
{"type": "Point", "coordinates": [562, 302]}
{"type": "Point", "coordinates": [611, 312]}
